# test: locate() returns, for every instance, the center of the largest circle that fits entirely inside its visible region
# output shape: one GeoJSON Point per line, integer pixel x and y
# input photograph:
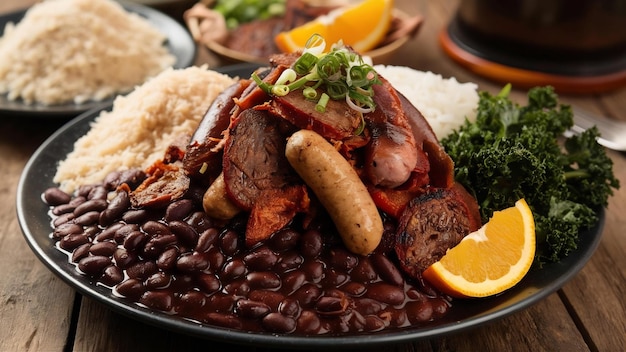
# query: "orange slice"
{"type": "Point", "coordinates": [490, 260]}
{"type": "Point", "coordinates": [361, 26]}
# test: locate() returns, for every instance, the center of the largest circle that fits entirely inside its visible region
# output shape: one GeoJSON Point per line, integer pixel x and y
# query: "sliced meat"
{"type": "Point", "coordinates": [166, 183]}
{"type": "Point", "coordinates": [202, 159]}
{"type": "Point", "coordinates": [431, 224]}
{"type": "Point", "coordinates": [392, 155]}
{"type": "Point", "coordinates": [441, 166]}
{"type": "Point", "coordinates": [337, 122]}
{"type": "Point", "coordinates": [257, 175]}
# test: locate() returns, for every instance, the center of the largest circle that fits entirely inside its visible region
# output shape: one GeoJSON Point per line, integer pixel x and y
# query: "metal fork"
{"type": "Point", "coordinates": [612, 133]}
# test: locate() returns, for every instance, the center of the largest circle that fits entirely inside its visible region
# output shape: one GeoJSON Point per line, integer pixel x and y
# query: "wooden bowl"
{"type": "Point", "coordinates": [403, 29]}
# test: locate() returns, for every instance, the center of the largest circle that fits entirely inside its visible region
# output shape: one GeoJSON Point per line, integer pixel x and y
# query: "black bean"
{"type": "Point", "coordinates": [88, 218]}
{"type": "Point", "coordinates": [262, 258]}
{"type": "Point", "coordinates": [158, 280]}
{"type": "Point", "coordinates": [263, 279]}
{"type": "Point", "coordinates": [209, 283]}
{"type": "Point", "coordinates": [311, 243]}
{"type": "Point", "coordinates": [278, 323]}
{"type": "Point", "coordinates": [122, 232]}
{"type": "Point", "coordinates": [284, 240]}
{"type": "Point", "coordinates": [232, 270]}
{"type": "Point", "coordinates": [109, 232]}
{"type": "Point", "coordinates": [224, 320]}
{"type": "Point", "coordinates": [229, 242]}
{"type": "Point", "coordinates": [184, 232]}
{"type": "Point", "coordinates": [161, 300]}
{"type": "Point", "coordinates": [66, 229]}
{"type": "Point", "coordinates": [192, 263]}
{"type": "Point", "coordinates": [134, 240]}
{"type": "Point", "coordinates": [103, 248]}
{"type": "Point", "coordinates": [72, 241]}
{"type": "Point", "coordinates": [62, 219]}
{"type": "Point", "coordinates": [141, 269]}
{"type": "Point", "coordinates": [386, 269]}
{"type": "Point", "coordinates": [97, 205]}
{"type": "Point", "coordinates": [385, 293]}
{"type": "Point", "coordinates": [63, 208]}
{"type": "Point", "coordinates": [131, 288]}
{"type": "Point", "coordinates": [80, 252]}
{"type": "Point", "coordinates": [116, 208]}
{"type": "Point", "coordinates": [342, 259]}
{"type": "Point", "coordinates": [112, 275]}
{"type": "Point", "coordinates": [206, 240]}
{"type": "Point", "coordinates": [178, 210]}
{"type": "Point", "coordinates": [251, 309]}
{"type": "Point", "coordinates": [155, 228]}
{"type": "Point", "coordinates": [123, 258]}
{"type": "Point", "coordinates": [93, 265]}
{"type": "Point", "coordinates": [97, 192]}
{"type": "Point", "coordinates": [135, 216]}
{"type": "Point", "coordinates": [55, 196]}
{"type": "Point", "coordinates": [167, 259]}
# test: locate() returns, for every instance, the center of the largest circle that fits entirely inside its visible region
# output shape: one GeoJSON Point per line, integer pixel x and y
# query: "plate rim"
{"type": "Point", "coordinates": [184, 49]}
{"type": "Point", "coordinates": [526, 297]}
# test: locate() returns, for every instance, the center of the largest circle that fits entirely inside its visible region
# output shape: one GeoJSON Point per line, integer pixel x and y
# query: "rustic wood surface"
{"type": "Point", "coordinates": [39, 312]}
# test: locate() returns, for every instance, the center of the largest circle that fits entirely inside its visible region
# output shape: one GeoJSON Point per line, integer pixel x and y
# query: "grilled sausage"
{"type": "Point", "coordinates": [338, 188]}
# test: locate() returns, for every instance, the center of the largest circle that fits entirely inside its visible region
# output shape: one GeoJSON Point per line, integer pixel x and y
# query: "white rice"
{"type": "Point", "coordinates": [142, 125]}
{"type": "Point", "coordinates": [66, 51]}
{"type": "Point", "coordinates": [445, 103]}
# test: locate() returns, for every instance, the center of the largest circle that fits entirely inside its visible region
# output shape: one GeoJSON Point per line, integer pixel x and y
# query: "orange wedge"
{"type": "Point", "coordinates": [490, 260]}
{"type": "Point", "coordinates": [361, 26]}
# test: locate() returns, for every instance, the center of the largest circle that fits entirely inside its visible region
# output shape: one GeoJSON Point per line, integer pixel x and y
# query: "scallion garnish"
{"type": "Point", "coordinates": [339, 73]}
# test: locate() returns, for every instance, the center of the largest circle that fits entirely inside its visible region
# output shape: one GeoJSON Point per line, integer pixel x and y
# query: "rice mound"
{"type": "Point", "coordinates": [72, 51]}
{"type": "Point", "coordinates": [445, 103]}
{"type": "Point", "coordinates": [141, 125]}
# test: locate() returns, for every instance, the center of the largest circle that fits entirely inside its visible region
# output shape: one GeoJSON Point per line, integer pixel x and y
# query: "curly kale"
{"type": "Point", "coordinates": [512, 152]}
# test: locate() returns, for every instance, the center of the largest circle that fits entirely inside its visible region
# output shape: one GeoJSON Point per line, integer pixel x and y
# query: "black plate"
{"type": "Point", "coordinates": [35, 223]}
{"type": "Point", "coordinates": [179, 43]}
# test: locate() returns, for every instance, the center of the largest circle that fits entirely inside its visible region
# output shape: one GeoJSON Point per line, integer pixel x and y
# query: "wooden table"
{"type": "Point", "coordinates": [39, 312]}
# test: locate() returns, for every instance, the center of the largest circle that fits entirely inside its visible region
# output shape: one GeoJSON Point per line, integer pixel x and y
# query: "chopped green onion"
{"type": "Point", "coordinates": [286, 76]}
{"type": "Point", "coordinates": [267, 88]}
{"type": "Point", "coordinates": [321, 104]}
{"type": "Point", "coordinates": [280, 90]}
{"type": "Point", "coordinates": [309, 93]}
{"type": "Point", "coordinates": [315, 45]}
{"type": "Point", "coordinates": [305, 63]}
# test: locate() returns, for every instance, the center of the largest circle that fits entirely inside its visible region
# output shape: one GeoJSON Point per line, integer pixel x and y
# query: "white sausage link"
{"type": "Point", "coordinates": [338, 188]}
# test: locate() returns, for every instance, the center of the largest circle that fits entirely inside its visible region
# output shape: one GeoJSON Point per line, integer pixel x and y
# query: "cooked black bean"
{"type": "Point", "coordinates": [112, 275]}
{"type": "Point", "coordinates": [167, 259]}
{"type": "Point", "coordinates": [192, 263]}
{"type": "Point", "coordinates": [80, 252]}
{"type": "Point", "coordinates": [93, 265]}
{"type": "Point", "coordinates": [115, 209]}
{"type": "Point", "coordinates": [158, 280]}
{"type": "Point", "coordinates": [66, 229]}
{"type": "Point", "coordinates": [55, 196]}
{"type": "Point", "coordinates": [276, 322]}
{"type": "Point", "coordinates": [184, 232]}
{"type": "Point", "coordinates": [135, 216]}
{"type": "Point", "coordinates": [178, 210]}
{"type": "Point", "coordinates": [103, 248]}
{"type": "Point", "coordinates": [123, 258]}
{"type": "Point", "coordinates": [206, 240]}
{"type": "Point", "coordinates": [311, 243]}
{"type": "Point", "coordinates": [161, 300]}
{"type": "Point", "coordinates": [131, 288]}
{"type": "Point", "coordinates": [251, 309]}
{"type": "Point", "coordinates": [177, 259]}
{"type": "Point", "coordinates": [141, 269]}
{"type": "Point", "coordinates": [96, 205]}
{"type": "Point", "coordinates": [72, 241]}
{"type": "Point", "coordinates": [134, 240]}
{"type": "Point", "coordinates": [261, 259]}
